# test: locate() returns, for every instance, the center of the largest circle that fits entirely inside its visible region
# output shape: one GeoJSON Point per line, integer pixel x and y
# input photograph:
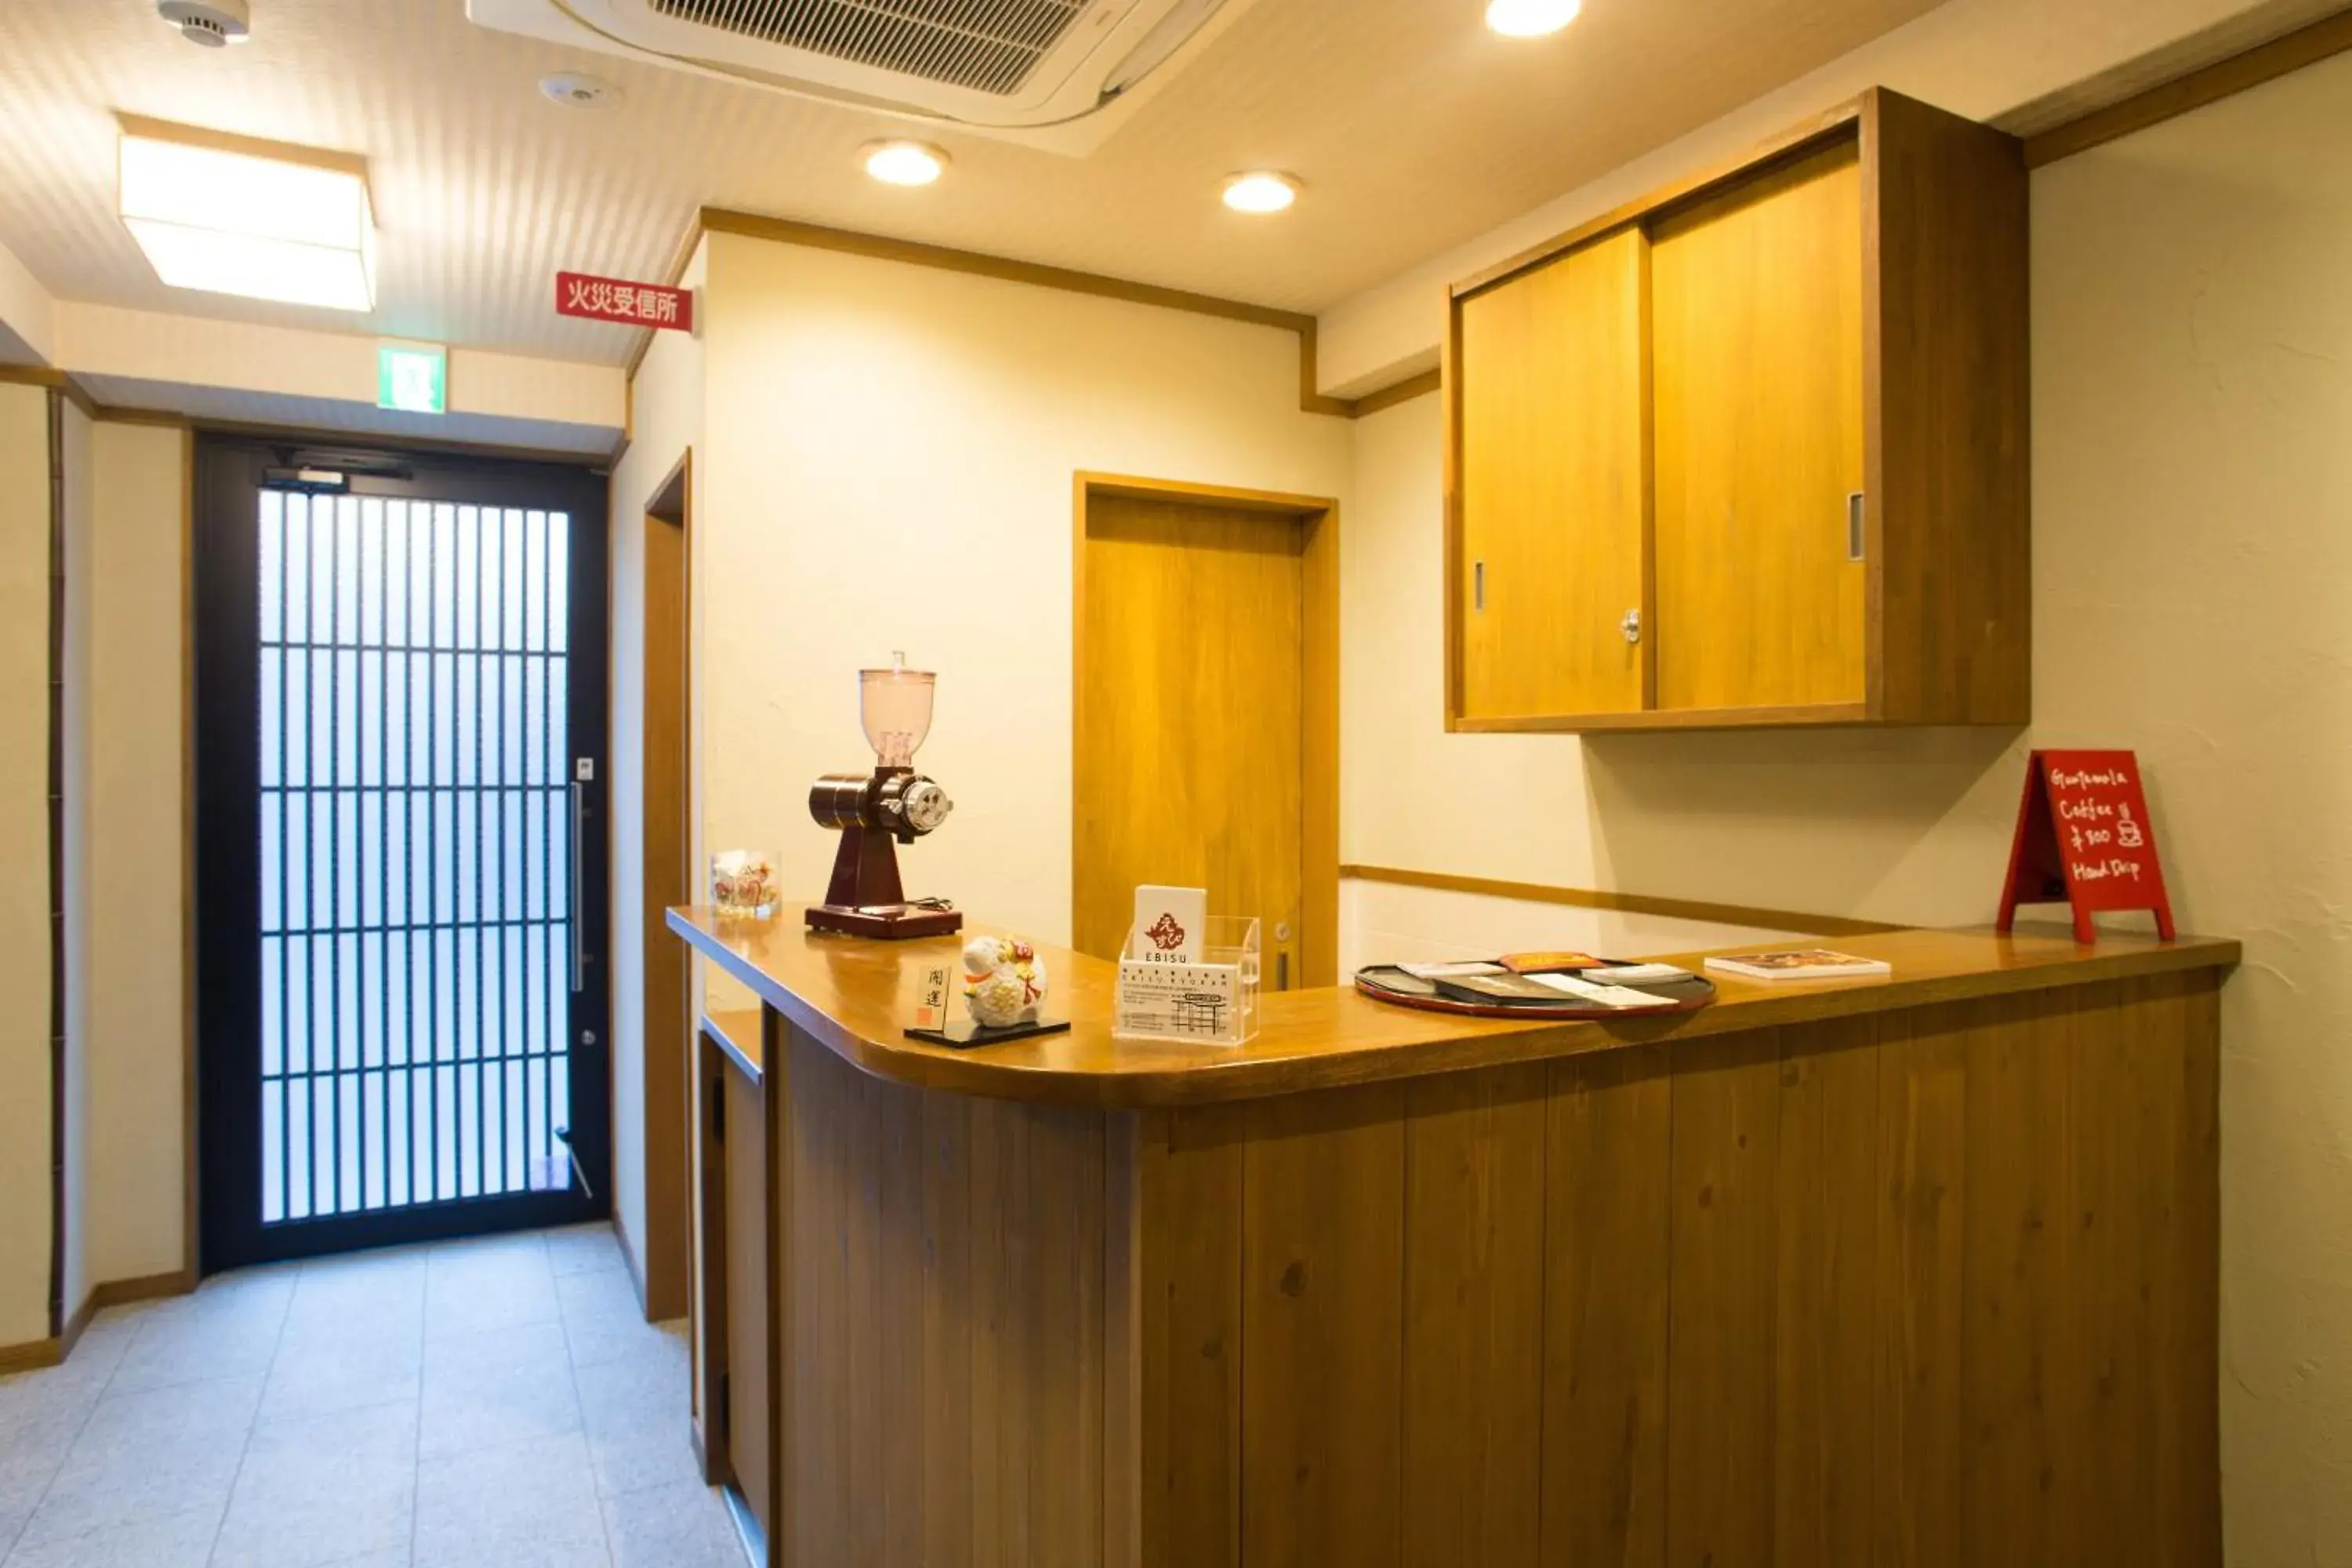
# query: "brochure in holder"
{"type": "Point", "coordinates": [1206, 994]}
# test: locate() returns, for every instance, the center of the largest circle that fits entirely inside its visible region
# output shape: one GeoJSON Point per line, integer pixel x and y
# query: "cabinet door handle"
{"type": "Point", "coordinates": [1854, 530]}
{"type": "Point", "coordinates": [1478, 587]}
{"type": "Point", "coordinates": [1632, 626]}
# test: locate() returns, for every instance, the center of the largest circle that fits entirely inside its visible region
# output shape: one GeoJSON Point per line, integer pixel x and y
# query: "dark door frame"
{"type": "Point", "coordinates": [229, 473]}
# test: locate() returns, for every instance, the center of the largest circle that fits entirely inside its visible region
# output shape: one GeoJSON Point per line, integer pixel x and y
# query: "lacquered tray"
{"type": "Point", "coordinates": [1686, 996]}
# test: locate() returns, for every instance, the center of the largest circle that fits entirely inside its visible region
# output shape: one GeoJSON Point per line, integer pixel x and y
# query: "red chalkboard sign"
{"type": "Point", "coordinates": [2084, 837]}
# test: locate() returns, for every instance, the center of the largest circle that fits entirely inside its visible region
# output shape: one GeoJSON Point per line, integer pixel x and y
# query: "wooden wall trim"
{"type": "Point", "coordinates": [1621, 903]}
{"type": "Point", "coordinates": [55, 380]}
{"type": "Point", "coordinates": [2306, 45]}
{"type": "Point", "coordinates": [53, 1351]}
{"type": "Point", "coordinates": [162, 418]}
{"type": "Point", "coordinates": [146, 1288]}
{"type": "Point", "coordinates": [915, 253]}
{"type": "Point", "coordinates": [31, 1355]}
{"type": "Point", "coordinates": [1404, 391]}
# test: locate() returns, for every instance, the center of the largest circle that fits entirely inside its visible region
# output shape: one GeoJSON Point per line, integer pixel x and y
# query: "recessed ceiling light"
{"type": "Point", "coordinates": [905, 163]}
{"type": "Point", "coordinates": [1261, 191]}
{"type": "Point", "coordinates": [1531, 18]}
{"type": "Point", "coordinates": [578, 89]}
{"type": "Point", "coordinates": [232, 216]}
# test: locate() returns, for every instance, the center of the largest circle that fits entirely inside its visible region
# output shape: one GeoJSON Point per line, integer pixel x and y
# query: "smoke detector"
{"type": "Point", "coordinates": [213, 24]}
{"type": "Point", "coordinates": [578, 89]}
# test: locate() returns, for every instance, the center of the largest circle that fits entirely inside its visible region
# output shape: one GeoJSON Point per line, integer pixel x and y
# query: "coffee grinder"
{"type": "Point", "coordinates": [894, 802]}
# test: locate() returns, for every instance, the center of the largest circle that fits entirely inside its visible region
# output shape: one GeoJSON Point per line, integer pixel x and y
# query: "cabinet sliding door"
{"type": "Point", "coordinates": [1756, 300]}
{"type": "Point", "coordinates": [1554, 488]}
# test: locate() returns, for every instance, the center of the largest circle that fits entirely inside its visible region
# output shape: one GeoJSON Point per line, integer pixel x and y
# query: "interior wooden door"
{"type": "Point", "coordinates": [1188, 766]}
{"type": "Point", "coordinates": [1755, 301]}
{"type": "Point", "coordinates": [1554, 486]}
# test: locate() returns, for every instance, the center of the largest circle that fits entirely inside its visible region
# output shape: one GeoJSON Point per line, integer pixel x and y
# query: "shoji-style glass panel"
{"type": "Point", "coordinates": [415, 853]}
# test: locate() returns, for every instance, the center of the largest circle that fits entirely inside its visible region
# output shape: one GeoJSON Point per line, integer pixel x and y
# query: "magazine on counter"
{"type": "Point", "coordinates": [1799, 964]}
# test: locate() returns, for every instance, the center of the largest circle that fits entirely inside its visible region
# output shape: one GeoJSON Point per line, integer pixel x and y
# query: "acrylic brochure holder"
{"type": "Point", "coordinates": [1209, 1001]}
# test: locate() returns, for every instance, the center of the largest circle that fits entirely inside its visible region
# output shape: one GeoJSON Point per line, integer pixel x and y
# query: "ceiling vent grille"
{"type": "Point", "coordinates": [983, 46]}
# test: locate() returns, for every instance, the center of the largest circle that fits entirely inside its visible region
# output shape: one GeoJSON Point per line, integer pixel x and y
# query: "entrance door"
{"type": "Point", "coordinates": [400, 673]}
{"type": "Point", "coordinates": [1206, 706]}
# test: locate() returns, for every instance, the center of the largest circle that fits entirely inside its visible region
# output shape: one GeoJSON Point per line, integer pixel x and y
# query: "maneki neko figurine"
{"type": "Point", "coordinates": [1003, 981]}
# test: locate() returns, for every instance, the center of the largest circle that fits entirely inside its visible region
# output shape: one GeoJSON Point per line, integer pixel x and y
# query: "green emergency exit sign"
{"type": "Point", "coordinates": [413, 380]}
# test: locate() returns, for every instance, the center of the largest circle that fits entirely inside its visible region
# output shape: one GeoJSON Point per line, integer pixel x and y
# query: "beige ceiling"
{"type": "Point", "coordinates": [1412, 128]}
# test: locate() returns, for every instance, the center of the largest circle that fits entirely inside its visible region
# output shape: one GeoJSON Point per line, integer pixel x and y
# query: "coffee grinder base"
{"type": "Point", "coordinates": [885, 922]}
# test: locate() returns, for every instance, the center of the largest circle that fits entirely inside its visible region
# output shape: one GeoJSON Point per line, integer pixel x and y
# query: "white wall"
{"type": "Point", "coordinates": [1825, 823]}
{"type": "Point", "coordinates": [1384, 922]}
{"type": "Point", "coordinates": [24, 1179]}
{"type": "Point", "coordinates": [2193, 315]}
{"type": "Point", "coordinates": [133, 1222]}
{"type": "Point", "coordinates": [891, 459]}
{"type": "Point", "coordinates": [668, 421]}
{"type": "Point", "coordinates": [308, 379]}
{"type": "Point", "coordinates": [2192, 431]}
{"type": "Point", "coordinates": [125, 560]}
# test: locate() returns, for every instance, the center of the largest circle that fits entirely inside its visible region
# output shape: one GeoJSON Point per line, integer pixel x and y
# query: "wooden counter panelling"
{"type": "Point", "coordinates": [1930, 1288]}
{"type": "Point", "coordinates": [1921, 1275]}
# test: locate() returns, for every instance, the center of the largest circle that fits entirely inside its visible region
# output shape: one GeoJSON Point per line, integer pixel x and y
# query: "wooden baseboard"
{"type": "Point", "coordinates": [147, 1287]}
{"type": "Point", "coordinates": [1623, 904]}
{"type": "Point", "coordinates": [39, 1353]}
{"type": "Point", "coordinates": [31, 1355]}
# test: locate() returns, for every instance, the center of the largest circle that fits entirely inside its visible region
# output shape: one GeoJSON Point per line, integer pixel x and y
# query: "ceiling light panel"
{"type": "Point", "coordinates": [216, 216]}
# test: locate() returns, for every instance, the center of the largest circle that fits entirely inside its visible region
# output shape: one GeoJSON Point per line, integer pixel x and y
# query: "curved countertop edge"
{"type": "Point", "coordinates": [1222, 1074]}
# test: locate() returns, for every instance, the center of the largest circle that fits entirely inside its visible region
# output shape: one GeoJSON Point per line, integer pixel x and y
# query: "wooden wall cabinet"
{"type": "Point", "coordinates": [1752, 451]}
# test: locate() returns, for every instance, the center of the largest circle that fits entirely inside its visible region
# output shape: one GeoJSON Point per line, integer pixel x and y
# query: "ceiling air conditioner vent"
{"type": "Point", "coordinates": [1053, 73]}
{"type": "Point", "coordinates": [986, 46]}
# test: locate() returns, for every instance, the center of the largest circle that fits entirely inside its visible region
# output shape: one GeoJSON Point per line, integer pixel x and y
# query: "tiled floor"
{"type": "Point", "coordinates": [495, 1402]}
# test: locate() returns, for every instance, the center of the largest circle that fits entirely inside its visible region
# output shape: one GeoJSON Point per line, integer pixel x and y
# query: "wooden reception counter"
{"type": "Point", "coordinates": [1918, 1270]}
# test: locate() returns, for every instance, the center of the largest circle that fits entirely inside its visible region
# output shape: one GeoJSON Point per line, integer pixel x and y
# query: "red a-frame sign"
{"type": "Point", "coordinates": [2084, 836]}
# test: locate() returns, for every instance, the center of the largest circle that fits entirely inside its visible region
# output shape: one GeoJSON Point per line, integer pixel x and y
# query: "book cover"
{"type": "Point", "coordinates": [1799, 963]}
{"type": "Point", "coordinates": [1545, 963]}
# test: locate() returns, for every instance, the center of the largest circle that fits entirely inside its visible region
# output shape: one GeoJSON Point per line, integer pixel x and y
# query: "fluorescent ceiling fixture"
{"type": "Point", "coordinates": [905, 163]}
{"type": "Point", "coordinates": [1531, 18]}
{"type": "Point", "coordinates": [233, 216]}
{"type": "Point", "coordinates": [1260, 192]}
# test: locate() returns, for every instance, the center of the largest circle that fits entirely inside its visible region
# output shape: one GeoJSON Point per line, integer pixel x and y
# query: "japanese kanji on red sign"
{"type": "Point", "coordinates": [632, 304]}
{"type": "Point", "coordinates": [2084, 837]}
